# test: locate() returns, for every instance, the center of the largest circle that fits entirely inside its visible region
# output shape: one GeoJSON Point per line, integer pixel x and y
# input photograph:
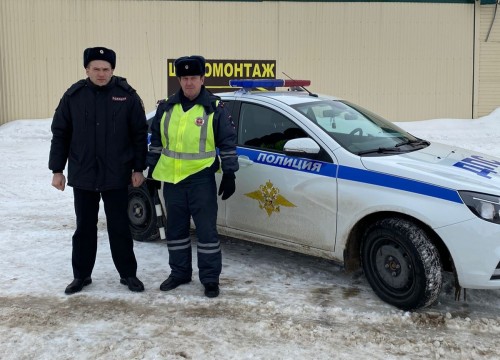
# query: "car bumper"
{"type": "Point", "coordinates": [475, 248]}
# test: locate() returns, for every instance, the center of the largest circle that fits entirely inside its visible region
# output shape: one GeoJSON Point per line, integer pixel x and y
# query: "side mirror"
{"type": "Point", "coordinates": [301, 147]}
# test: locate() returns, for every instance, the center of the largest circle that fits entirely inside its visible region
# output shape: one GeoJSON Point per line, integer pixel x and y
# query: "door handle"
{"type": "Point", "coordinates": [244, 160]}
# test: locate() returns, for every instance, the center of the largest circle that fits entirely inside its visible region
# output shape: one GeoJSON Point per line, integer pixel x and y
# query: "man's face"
{"type": "Point", "coordinates": [191, 85]}
{"type": "Point", "coordinates": [99, 72]}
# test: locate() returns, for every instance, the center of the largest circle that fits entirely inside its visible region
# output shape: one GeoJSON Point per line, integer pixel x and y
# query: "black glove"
{"type": "Point", "coordinates": [227, 186]}
{"type": "Point", "coordinates": [150, 172]}
{"type": "Point", "coordinates": [151, 183]}
{"type": "Point", "coordinates": [154, 183]}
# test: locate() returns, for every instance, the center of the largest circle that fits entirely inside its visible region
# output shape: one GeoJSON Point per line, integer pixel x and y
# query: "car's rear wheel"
{"type": "Point", "coordinates": [141, 213]}
{"type": "Point", "coordinates": [401, 263]}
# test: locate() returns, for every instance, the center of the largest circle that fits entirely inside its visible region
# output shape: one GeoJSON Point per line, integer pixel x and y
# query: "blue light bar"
{"type": "Point", "coordinates": [252, 83]}
{"type": "Point", "coordinates": [267, 83]}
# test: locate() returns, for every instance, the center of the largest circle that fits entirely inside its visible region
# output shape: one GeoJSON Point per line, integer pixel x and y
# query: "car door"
{"type": "Point", "coordinates": [280, 197]}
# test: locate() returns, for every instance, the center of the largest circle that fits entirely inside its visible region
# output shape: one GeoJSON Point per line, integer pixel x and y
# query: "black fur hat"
{"type": "Point", "coordinates": [190, 65]}
{"type": "Point", "coordinates": [99, 53]}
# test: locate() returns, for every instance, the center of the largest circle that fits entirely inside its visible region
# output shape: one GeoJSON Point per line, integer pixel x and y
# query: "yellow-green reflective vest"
{"type": "Point", "coordinates": [188, 143]}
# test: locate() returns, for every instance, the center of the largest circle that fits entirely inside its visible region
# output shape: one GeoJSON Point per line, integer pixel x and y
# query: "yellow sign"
{"type": "Point", "coordinates": [219, 72]}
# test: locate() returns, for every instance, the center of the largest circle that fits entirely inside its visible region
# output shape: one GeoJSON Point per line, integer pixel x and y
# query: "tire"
{"type": "Point", "coordinates": [401, 264]}
{"type": "Point", "coordinates": [142, 214]}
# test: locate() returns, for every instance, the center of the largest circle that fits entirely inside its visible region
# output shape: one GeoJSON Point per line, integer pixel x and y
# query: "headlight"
{"type": "Point", "coordinates": [487, 207]}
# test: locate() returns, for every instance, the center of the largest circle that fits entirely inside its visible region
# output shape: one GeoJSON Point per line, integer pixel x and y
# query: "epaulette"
{"type": "Point", "coordinates": [122, 82]}
{"type": "Point", "coordinates": [215, 102]}
{"type": "Point", "coordinates": [161, 103]}
{"type": "Point", "coordinates": [75, 87]}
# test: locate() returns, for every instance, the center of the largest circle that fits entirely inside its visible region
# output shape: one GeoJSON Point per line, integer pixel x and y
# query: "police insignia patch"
{"type": "Point", "coordinates": [199, 121]}
{"type": "Point", "coordinates": [269, 198]}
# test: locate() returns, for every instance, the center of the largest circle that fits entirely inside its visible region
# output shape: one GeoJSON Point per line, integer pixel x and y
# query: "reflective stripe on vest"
{"type": "Point", "coordinates": [188, 143]}
{"type": "Point", "coordinates": [202, 153]}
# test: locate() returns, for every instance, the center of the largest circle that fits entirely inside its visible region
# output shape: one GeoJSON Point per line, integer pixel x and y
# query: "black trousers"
{"type": "Point", "coordinates": [196, 198]}
{"type": "Point", "coordinates": [85, 236]}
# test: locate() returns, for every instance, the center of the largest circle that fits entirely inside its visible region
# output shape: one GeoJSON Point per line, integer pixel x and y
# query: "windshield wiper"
{"type": "Point", "coordinates": [417, 142]}
{"type": "Point", "coordinates": [381, 150]}
{"type": "Point", "coordinates": [396, 148]}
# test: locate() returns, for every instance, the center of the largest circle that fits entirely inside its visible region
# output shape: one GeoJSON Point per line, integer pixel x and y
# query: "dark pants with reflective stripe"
{"type": "Point", "coordinates": [194, 197]}
{"type": "Point", "coordinates": [85, 237]}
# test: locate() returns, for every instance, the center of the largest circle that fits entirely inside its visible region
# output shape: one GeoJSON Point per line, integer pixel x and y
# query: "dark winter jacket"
{"type": "Point", "coordinates": [224, 131]}
{"type": "Point", "coordinates": [101, 132]}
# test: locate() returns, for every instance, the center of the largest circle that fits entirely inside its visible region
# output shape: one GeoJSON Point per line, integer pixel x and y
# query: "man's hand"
{"type": "Point", "coordinates": [137, 179]}
{"type": "Point", "coordinates": [59, 181]}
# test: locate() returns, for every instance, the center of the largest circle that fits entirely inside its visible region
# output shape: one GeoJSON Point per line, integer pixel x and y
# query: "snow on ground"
{"type": "Point", "coordinates": [274, 304]}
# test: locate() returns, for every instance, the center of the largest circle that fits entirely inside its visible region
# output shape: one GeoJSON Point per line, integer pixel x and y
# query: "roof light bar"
{"type": "Point", "coordinates": [266, 83]}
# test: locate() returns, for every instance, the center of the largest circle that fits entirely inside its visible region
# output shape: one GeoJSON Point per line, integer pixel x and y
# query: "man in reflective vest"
{"type": "Point", "coordinates": [186, 132]}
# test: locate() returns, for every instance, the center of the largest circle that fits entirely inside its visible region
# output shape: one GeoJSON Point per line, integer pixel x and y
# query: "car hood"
{"type": "Point", "coordinates": [443, 165]}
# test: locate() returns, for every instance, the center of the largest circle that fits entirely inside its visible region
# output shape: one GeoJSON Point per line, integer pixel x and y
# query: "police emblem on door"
{"type": "Point", "coordinates": [269, 198]}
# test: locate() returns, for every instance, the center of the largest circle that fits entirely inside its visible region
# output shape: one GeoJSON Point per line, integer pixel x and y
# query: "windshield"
{"type": "Point", "coordinates": [358, 130]}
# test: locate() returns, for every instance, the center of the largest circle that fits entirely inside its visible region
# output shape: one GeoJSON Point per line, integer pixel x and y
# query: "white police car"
{"type": "Point", "coordinates": [325, 177]}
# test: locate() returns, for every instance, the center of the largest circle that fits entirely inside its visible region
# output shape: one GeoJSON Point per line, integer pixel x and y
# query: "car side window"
{"type": "Point", "coordinates": [264, 128]}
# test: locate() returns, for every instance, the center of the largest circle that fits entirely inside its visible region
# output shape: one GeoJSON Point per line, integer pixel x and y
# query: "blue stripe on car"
{"type": "Point", "coordinates": [396, 182]}
{"type": "Point", "coordinates": [350, 173]}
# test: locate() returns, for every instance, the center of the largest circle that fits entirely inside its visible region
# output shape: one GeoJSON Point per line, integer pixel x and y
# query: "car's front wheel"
{"type": "Point", "coordinates": [142, 217]}
{"type": "Point", "coordinates": [401, 263]}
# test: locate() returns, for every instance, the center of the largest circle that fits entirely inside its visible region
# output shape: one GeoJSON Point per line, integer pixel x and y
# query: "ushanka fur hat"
{"type": "Point", "coordinates": [99, 53]}
{"type": "Point", "coordinates": [190, 65]}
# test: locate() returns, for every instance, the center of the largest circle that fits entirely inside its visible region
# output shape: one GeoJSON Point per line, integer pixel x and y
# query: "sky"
{"type": "Point", "coordinates": [274, 304]}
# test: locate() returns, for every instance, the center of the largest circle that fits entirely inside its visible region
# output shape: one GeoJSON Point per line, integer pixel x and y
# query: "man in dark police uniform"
{"type": "Point", "coordinates": [100, 129]}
